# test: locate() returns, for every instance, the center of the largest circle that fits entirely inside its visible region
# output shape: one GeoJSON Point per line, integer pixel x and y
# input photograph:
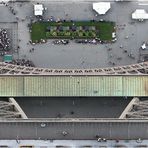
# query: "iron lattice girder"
{"type": "Point", "coordinates": [137, 69]}
{"type": "Point", "coordinates": [7, 110]}
{"type": "Point", "coordinates": [4, 105]}
{"type": "Point", "coordinates": [139, 110]}
{"type": "Point", "coordinates": [140, 106]}
{"type": "Point", "coordinates": [136, 116]}
{"type": "Point", "coordinates": [8, 114]}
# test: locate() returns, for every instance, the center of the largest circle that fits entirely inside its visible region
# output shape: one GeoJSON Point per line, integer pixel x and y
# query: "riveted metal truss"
{"type": "Point", "coordinates": [7, 110]}
{"type": "Point", "coordinates": [135, 69]}
{"type": "Point", "coordinates": [10, 109]}
{"type": "Point", "coordinates": [139, 109]}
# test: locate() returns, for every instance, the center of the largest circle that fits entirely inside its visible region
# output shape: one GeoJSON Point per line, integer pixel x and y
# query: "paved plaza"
{"type": "Point", "coordinates": [76, 55]}
{"type": "Point", "coordinates": [74, 143]}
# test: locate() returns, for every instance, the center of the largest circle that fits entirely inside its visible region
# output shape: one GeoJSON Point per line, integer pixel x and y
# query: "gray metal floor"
{"type": "Point", "coordinates": [72, 107]}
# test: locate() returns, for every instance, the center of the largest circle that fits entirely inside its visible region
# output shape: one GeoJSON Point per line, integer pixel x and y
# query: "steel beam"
{"type": "Point", "coordinates": [81, 129]}
{"type": "Point", "coordinates": [135, 69]}
{"type": "Point", "coordinates": [18, 108]}
{"type": "Point", "coordinates": [128, 108]}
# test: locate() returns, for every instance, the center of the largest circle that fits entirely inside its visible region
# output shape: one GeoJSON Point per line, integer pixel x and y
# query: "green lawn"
{"type": "Point", "coordinates": [102, 30]}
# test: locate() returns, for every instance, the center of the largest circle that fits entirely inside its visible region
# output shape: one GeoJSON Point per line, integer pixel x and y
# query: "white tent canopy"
{"type": "Point", "coordinates": [101, 7]}
{"type": "Point", "coordinates": [140, 14]}
{"type": "Point", "coordinates": [38, 9]}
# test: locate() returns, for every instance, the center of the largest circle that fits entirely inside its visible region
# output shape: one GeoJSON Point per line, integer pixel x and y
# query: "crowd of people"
{"type": "Point", "coordinates": [23, 62]}
{"type": "Point", "coordinates": [4, 40]}
{"type": "Point", "coordinates": [9, 7]}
